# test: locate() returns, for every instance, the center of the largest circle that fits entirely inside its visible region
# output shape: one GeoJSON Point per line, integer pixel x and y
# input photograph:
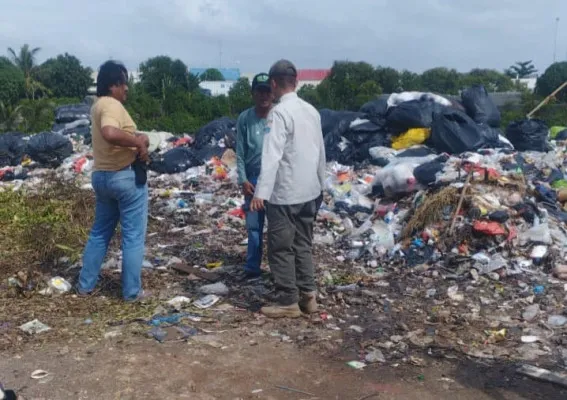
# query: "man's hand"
{"type": "Point", "coordinates": [256, 204]}
{"type": "Point", "coordinates": [142, 144]}
{"type": "Point", "coordinates": [248, 189]}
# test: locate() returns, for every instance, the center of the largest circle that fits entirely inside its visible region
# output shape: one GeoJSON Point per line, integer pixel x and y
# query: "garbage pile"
{"type": "Point", "coordinates": [211, 141]}
{"type": "Point", "coordinates": [67, 147]}
{"type": "Point", "coordinates": [449, 234]}
{"type": "Point", "coordinates": [73, 120]}
{"type": "Point", "coordinates": [403, 120]}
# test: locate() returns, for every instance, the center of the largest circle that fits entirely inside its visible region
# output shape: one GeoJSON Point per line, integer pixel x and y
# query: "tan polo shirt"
{"type": "Point", "coordinates": [107, 111]}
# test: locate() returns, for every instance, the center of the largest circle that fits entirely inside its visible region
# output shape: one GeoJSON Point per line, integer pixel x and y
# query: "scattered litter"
{"type": "Point", "coordinates": [207, 301]}
{"type": "Point", "coordinates": [59, 284]}
{"type": "Point", "coordinates": [178, 302]}
{"type": "Point", "coordinates": [34, 327]}
{"type": "Point", "coordinates": [375, 356]}
{"type": "Point", "coordinates": [218, 288]}
{"type": "Point", "coordinates": [557, 320]}
{"type": "Point", "coordinates": [39, 374]}
{"type": "Point", "coordinates": [530, 339]}
{"type": "Point", "coordinates": [356, 364]}
{"type": "Point", "coordinates": [531, 312]}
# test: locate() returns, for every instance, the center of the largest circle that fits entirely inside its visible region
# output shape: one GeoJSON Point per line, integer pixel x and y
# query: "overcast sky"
{"type": "Point", "coordinates": [404, 34]}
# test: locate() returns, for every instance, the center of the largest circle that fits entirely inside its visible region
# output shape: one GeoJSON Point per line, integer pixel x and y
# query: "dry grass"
{"type": "Point", "coordinates": [38, 228]}
{"type": "Point", "coordinates": [431, 210]}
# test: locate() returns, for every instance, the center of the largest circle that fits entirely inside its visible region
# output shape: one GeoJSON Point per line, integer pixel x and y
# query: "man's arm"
{"type": "Point", "coordinates": [272, 152]}
{"type": "Point", "coordinates": [112, 133]}
{"type": "Point", "coordinates": [240, 150]}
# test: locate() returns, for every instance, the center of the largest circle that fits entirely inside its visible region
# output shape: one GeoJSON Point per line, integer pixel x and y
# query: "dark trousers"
{"type": "Point", "coordinates": [290, 238]}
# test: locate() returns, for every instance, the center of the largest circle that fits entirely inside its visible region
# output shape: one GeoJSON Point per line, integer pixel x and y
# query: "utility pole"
{"type": "Point", "coordinates": [555, 40]}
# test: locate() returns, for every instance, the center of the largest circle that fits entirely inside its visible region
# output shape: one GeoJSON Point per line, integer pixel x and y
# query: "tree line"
{"type": "Point", "coordinates": [167, 97]}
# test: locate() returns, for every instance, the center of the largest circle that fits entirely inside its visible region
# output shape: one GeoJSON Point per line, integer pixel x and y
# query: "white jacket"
{"type": "Point", "coordinates": [293, 154]}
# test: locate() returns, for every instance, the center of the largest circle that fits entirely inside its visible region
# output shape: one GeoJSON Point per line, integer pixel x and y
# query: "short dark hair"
{"type": "Point", "coordinates": [111, 73]}
{"type": "Point", "coordinates": [285, 81]}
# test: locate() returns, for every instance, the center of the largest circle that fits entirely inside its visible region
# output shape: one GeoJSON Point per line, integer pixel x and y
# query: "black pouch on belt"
{"type": "Point", "coordinates": [140, 171]}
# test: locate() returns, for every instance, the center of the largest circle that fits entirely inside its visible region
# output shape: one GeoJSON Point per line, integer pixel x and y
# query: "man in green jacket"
{"type": "Point", "coordinates": [250, 128]}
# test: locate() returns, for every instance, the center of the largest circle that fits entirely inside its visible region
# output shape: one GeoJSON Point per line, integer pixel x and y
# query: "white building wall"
{"type": "Point", "coordinates": [530, 83]}
{"type": "Point", "coordinates": [217, 88]}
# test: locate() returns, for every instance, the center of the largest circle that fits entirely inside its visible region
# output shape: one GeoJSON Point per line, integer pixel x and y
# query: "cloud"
{"type": "Point", "coordinates": [404, 34]}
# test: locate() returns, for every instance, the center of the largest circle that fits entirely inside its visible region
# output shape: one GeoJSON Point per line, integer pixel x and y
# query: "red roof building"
{"type": "Point", "coordinates": [312, 74]}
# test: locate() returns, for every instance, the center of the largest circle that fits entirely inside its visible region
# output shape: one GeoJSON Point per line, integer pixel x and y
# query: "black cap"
{"type": "Point", "coordinates": [262, 80]}
{"type": "Point", "coordinates": [283, 68]}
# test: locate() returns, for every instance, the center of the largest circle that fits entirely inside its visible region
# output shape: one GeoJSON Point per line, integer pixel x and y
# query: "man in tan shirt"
{"type": "Point", "coordinates": [121, 195]}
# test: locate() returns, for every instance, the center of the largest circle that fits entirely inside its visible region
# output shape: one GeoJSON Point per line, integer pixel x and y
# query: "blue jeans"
{"type": "Point", "coordinates": [255, 228]}
{"type": "Point", "coordinates": [118, 198]}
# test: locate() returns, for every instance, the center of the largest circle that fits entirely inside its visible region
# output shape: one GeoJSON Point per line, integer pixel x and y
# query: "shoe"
{"type": "Point", "coordinates": [247, 275]}
{"type": "Point", "coordinates": [80, 293]}
{"type": "Point", "coordinates": [308, 302]}
{"type": "Point", "coordinates": [140, 298]}
{"type": "Point", "coordinates": [278, 311]}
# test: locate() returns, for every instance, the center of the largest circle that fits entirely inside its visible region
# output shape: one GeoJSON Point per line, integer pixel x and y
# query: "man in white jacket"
{"type": "Point", "coordinates": [290, 188]}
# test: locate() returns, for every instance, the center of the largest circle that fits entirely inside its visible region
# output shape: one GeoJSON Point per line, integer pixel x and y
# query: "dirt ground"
{"type": "Point", "coordinates": [231, 366]}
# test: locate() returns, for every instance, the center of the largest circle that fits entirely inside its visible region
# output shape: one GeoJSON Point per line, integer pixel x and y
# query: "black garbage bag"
{"type": "Point", "coordinates": [12, 149]}
{"type": "Point", "coordinates": [412, 114]}
{"type": "Point", "coordinates": [230, 139]}
{"type": "Point", "coordinates": [418, 151]}
{"type": "Point", "coordinates": [78, 131]}
{"type": "Point", "coordinates": [490, 135]}
{"type": "Point", "coordinates": [426, 173]}
{"type": "Point", "coordinates": [347, 154]}
{"type": "Point", "coordinates": [337, 120]}
{"type": "Point", "coordinates": [339, 149]}
{"type": "Point", "coordinates": [529, 135]}
{"type": "Point", "coordinates": [363, 132]}
{"type": "Point", "coordinates": [206, 153]}
{"type": "Point", "coordinates": [72, 112]}
{"type": "Point", "coordinates": [562, 135]}
{"type": "Point", "coordinates": [49, 149]}
{"type": "Point", "coordinates": [362, 152]}
{"type": "Point", "coordinates": [58, 128]}
{"type": "Point", "coordinates": [214, 131]}
{"type": "Point", "coordinates": [454, 132]}
{"type": "Point", "coordinates": [480, 107]}
{"type": "Point", "coordinates": [375, 108]}
{"type": "Point", "coordinates": [176, 160]}
{"type": "Point", "coordinates": [333, 146]}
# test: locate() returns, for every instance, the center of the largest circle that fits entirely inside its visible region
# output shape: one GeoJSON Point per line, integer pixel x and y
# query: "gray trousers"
{"type": "Point", "coordinates": [290, 238]}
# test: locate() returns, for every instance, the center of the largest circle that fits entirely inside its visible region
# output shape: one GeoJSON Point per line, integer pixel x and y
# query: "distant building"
{"type": "Point", "coordinates": [311, 76]}
{"type": "Point", "coordinates": [229, 74]}
{"type": "Point", "coordinates": [217, 88]}
{"type": "Point", "coordinates": [529, 83]}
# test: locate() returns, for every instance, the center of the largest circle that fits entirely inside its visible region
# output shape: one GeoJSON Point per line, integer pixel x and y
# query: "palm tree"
{"type": "Point", "coordinates": [25, 60]}
{"type": "Point", "coordinates": [10, 117]}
